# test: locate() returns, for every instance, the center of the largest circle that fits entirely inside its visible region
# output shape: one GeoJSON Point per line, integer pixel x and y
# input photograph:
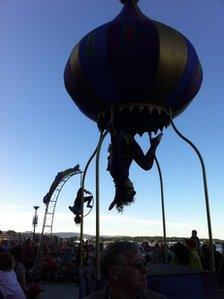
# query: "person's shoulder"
{"type": "Point", "coordinates": [97, 295]}
{"type": "Point", "coordinates": [148, 294]}
{"type": "Point", "coordinates": [19, 268]}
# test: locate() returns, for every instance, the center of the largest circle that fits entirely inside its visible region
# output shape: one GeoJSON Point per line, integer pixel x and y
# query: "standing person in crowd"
{"type": "Point", "coordinates": [195, 238]}
{"type": "Point", "coordinates": [19, 268]}
{"type": "Point", "coordinates": [219, 267]}
{"type": "Point", "coordinates": [123, 266]}
{"type": "Point", "coordinates": [194, 259]}
{"type": "Point", "coordinates": [29, 253]}
{"type": "Point", "coordinates": [9, 285]}
{"type": "Point", "coordinates": [205, 256]}
{"type": "Point", "coordinates": [181, 254]}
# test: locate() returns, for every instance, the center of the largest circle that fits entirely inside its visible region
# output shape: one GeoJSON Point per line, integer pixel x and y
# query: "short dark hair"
{"type": "Point", "coordinates": [17, 253]}
{"type": "Point", "coordinates": [6, 262]}
{"type": "Point", "coordinates": [111, 255]}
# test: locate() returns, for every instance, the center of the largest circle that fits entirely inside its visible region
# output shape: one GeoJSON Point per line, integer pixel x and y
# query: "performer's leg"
{"type": "Point", "coordinates": [145, 161]}
{"type": "Point", "coordinates": [88, 199]}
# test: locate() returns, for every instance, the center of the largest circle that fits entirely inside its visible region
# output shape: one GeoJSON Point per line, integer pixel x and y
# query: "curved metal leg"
{"type": "Point", "coordinates": [162, 205]}
{"type": "Point", "coordinates": [82, 186]}
{"type": "Point", "coordinates": [98, 206]}
{"type": "Point", "coordinates": [163, 208]}
{"type": "Point", "coordinates": [205, 192]}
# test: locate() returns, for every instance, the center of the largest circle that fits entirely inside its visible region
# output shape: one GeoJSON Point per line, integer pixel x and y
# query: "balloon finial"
{"type": "Point", "coordinates": [125, 1]}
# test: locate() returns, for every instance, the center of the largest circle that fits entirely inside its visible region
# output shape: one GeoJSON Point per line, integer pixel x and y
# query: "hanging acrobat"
{"type": "Point", "coordinates": [122, 151]}
{"type": "Point", "coordinates": [76, 209]}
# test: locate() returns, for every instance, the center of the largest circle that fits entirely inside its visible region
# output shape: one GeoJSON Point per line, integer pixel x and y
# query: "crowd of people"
{"type": "Point", "coordinates": [25, 264]}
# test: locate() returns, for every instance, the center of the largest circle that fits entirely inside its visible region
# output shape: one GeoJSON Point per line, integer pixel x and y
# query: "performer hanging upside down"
{"type": "Point", "coordinates": [77, 206]}
{"type": "Point", "coordinates": [123, 150]}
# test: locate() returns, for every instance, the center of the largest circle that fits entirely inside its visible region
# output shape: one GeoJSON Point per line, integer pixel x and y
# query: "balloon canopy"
{"type": "Point", "coordinates": [136, 67]}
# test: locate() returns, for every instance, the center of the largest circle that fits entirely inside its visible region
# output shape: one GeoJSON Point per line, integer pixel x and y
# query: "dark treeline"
{"type": "Point", "coordinates": [153, 239]}
{"type": "Point", "coordinates": [150, 239]}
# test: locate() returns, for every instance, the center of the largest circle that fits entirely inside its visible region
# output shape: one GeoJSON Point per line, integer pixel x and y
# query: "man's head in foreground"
{"type": "Point", "coordinates": [124, 268]}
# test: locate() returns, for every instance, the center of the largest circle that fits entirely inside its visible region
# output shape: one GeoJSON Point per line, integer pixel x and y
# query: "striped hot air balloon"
{"type": "Point", "coordinates": [140, 68]}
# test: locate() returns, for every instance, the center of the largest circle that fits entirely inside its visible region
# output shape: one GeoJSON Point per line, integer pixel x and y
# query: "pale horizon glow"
{"type": "Point", "coordinates": [110, 224]}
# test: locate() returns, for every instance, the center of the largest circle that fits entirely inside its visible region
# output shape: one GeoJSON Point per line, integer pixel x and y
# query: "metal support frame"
{"type": "Point", "coordinates": [205, 191]}
{"type": "Point", "coordinates": [82, 186]}
{"type": "Point", "coordinates": [53, 201]}
{"type": "Point", "coordinates": [35, 221]}
{"type": "Point", "coordinates": [48, 222]}
{"type": "Point", "coordinates": [51, 205]}
{"type": "Point", "coordinates": [98, 205]}
{"type": "Point", "coordinates": [163, 208]}
{"type": "Point", "coordinates": [162, 204]}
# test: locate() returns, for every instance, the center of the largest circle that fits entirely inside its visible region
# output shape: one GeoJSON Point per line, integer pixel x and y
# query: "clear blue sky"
{"type": "Point", "coordinates": [43, 132]}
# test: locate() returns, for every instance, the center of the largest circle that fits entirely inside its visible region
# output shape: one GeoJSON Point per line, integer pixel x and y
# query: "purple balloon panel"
{"type": "Point", "coordinates": [94, 60]}
{"type": "Point", "coordinates": [133, 59]}
{"type": "Point", "coordinates": [79, 88]}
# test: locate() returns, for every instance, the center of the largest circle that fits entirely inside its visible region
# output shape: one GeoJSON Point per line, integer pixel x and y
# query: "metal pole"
{"type": "Point", "coordinates": [82, 186]}
{"type": "Point", "coordinates": [34, 224]}
{"type": "Point", "coordinates": [81, 224]}
{"type": "Point", "coordinates": [205, 192]}
{"type": "Point", "coordinates": [35, 221]}
{"type": "Point", "coordinates": [163, 208]}
{"type": "Point", "coordinates": [41, 236]}
{"type": "Point", "coordinates": [162, 204]}
{"type": "Point", "coordinates": [98, 207]}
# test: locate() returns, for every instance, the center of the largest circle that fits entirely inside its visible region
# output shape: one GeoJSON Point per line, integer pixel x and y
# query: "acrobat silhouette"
{"type": "Point", "coordinates": [122, 151]}
{"type": "Point", "coordinates": [76, 209]}
{"type": "Point", "coordinates": [59, 177]}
